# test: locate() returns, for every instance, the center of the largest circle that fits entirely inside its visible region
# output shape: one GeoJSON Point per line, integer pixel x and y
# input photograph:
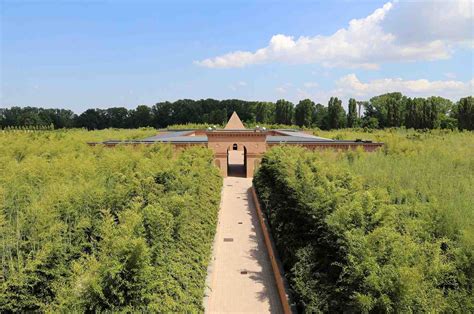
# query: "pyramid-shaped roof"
{"type": "Point", "coordinates": [234, 123]}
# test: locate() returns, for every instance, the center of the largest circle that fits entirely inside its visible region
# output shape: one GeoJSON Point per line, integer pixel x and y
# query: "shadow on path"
{"type": "Point", "coordinates": [260, 254]}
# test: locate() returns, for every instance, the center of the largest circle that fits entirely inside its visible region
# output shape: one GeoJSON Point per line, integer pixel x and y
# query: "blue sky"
{"type": "Point", "coordinates": [83, 54]}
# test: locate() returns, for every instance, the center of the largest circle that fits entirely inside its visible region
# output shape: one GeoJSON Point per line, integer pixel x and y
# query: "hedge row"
{"type": "Point", "coordinates": [351, 246]}
{"type": "Point", "coordinates": [93, 229]}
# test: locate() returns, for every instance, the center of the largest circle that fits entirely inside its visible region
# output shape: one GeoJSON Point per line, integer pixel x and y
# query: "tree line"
{"type": "Point", "coordinates": [387, 110]}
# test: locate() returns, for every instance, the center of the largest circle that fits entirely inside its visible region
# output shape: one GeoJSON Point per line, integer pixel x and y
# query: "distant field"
{"type": "Point", "coordinates": [92, 229]}
{"type": "Point", "coordinates": [380, 232]}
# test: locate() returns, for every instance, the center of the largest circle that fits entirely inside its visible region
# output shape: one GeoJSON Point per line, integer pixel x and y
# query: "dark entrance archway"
{"type": "Point", "coordinates": [237, 160]}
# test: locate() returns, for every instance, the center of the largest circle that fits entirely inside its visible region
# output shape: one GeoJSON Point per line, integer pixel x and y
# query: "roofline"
{"type": "Point", "coordinates": [324, 143]}
{"type": "Point", "coordinates": [235, 130]}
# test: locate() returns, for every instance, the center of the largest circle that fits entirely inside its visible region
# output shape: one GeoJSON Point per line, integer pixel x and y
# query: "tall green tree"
{"type": "Point", "coordinates": [264, 112]}
{"type": "Point", "coordinates": [336, 115]}
{"type": "Point", "coordinates": [284, 112]}
{"type": "Point", "coordinates": [320, 117]}
{"type": "Point", "coordinates": [163, 114]}
{"type": "Point", "coordinates": [140, 117]}
{"type": "Point", "coordinates": [352, 114]}
{"type": "Point", "coordinates": [389, 109]}
{"type": "Point", "coordinates": [116, 117]}
{"type": "Point", "coordinates": [304, 113]}
{"type": "Point", "coordinates": [218, 116]}
{"type": "Point", "coordinates": [410, 114]}
{"type": "Point", "coordinates": [421, 113]}
{"type": "Point", "coordinates": [91, 119]}
{"type": "Point", "coordinates": [440, 111]}
{"type": "Point", "coordinates": [465, 113]}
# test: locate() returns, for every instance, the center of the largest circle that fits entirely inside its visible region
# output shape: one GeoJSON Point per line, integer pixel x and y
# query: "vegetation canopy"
{"type": "Point", "coordinates": [390, 231]}
{"type": "Point", "coordinates": [93, 229]}
{"type": "Point", "coordinates": [383, 111]}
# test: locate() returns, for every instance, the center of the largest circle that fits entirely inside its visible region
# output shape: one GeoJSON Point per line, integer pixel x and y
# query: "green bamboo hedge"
{"type": "Point", "coordinates": [376, 232]}
{"type": "Point", "coordinates": [99, 229]}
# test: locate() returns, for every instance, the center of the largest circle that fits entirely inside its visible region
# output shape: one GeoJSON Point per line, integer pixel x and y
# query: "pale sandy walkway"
{"type": "Point", "coordinates": [240, 277]}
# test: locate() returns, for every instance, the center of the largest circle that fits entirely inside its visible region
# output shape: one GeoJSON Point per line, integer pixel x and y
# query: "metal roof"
{"type": "Point", "coordinates": [299, 134]}
{"type": "Point", "coordinates": [176, 139]}
{"type": "Point", "coordinates": [170, 134]}
{"type": "Point", "coordinates": [295, 139]}
{"type": "Point", "coordinates": [185, 136]}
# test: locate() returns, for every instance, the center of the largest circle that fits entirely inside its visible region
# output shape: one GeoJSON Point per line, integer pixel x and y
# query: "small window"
{"type": "Point", "coordinates": [234, 147]}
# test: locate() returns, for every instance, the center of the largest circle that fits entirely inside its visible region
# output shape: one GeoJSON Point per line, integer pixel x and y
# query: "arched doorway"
{"type": "Point", "coordinates": [237, 160]}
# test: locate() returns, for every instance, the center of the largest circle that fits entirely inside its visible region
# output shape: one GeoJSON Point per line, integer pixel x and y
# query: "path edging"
{"type": "Point", "coordinates": [212, 263]}
{"type": "Point", "coordinates": [277, 269]}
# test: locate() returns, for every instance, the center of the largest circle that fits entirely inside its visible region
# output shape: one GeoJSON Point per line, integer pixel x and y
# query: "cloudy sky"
{"type": "Point", "coordinates": [82, 54]}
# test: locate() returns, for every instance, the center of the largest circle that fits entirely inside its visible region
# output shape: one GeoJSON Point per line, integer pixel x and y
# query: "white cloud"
{"type": "Point", "coordinates": [369, 41]}
{"type": "Point", "coordinates": [425, 21]}
{"type": "Point", "coordinates": [351, 86]}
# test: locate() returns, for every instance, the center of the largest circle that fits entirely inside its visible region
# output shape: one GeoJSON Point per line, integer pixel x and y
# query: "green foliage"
{"type": "Point", "coordinates": [465, 113]}
{"type": "Point", "coordinates": [428, 113]}
{"type": "Point", "coordinates": [320, 117]}
{"type": "Point", "coordinates": [370, 122]}
{"type": "Point", "coordinates": [304, 113]}
{"type": "Point", "coordinates": [390, 231]}
{"type": "Point", "coordinates": [264, 112]}
{"type": "Point", "coordinates": [104, 229]}
{"type": "Point", "coordinates": [284, 111]}
{"type": "Point", "coordinates": [36, 117]}
{"type": "Point", "coordinates": [352, 114]}
{"type": "Point", "coordinates": [336, 117]}
{"type": "Point", "coordinates": [389, 110]}
{"type": "Point", "coordinates": [192, 126]}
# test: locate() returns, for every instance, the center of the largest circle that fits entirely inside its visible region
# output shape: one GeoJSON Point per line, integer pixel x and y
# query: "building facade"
{"type": "Point", "coordinates": [237, 150]}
